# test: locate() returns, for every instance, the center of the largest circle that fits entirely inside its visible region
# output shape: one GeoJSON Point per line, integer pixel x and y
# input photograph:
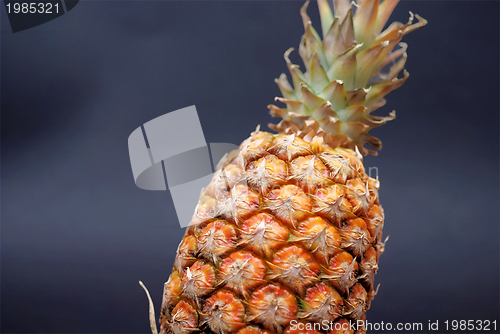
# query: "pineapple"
{"type": "Point", "coordinates": [288, 233]}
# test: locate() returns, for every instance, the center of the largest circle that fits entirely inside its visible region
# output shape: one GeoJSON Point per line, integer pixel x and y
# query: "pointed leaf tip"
{"type": "Point", "coordinates": [303, 12]}
{"type": "Point", "coordinates": [341, 7]}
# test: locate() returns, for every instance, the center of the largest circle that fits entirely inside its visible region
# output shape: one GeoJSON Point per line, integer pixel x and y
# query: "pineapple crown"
{"type": "Point", "coordinates": [348, 73]}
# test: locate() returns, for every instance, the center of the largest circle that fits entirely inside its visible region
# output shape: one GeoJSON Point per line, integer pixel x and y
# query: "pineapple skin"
{"type": "Point", "coordinates": [289, 230]}
{"type": "Point", "coordinates": [286, 230]}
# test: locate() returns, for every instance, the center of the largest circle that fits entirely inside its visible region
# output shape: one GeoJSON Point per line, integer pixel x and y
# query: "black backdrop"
{"type": "Point", "coordinates": [77, 234]}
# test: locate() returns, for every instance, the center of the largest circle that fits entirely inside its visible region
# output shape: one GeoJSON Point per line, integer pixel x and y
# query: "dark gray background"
{"type": "Point", "coordinates": [77, 234]}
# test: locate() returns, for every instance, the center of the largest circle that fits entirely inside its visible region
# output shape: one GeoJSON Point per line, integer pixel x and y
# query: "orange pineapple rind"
{"type": "Point", "coordinates": [316, 249]}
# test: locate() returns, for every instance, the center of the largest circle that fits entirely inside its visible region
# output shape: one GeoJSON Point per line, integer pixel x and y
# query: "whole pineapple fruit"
{"type": "Point", "coordinates": [289, 232]}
